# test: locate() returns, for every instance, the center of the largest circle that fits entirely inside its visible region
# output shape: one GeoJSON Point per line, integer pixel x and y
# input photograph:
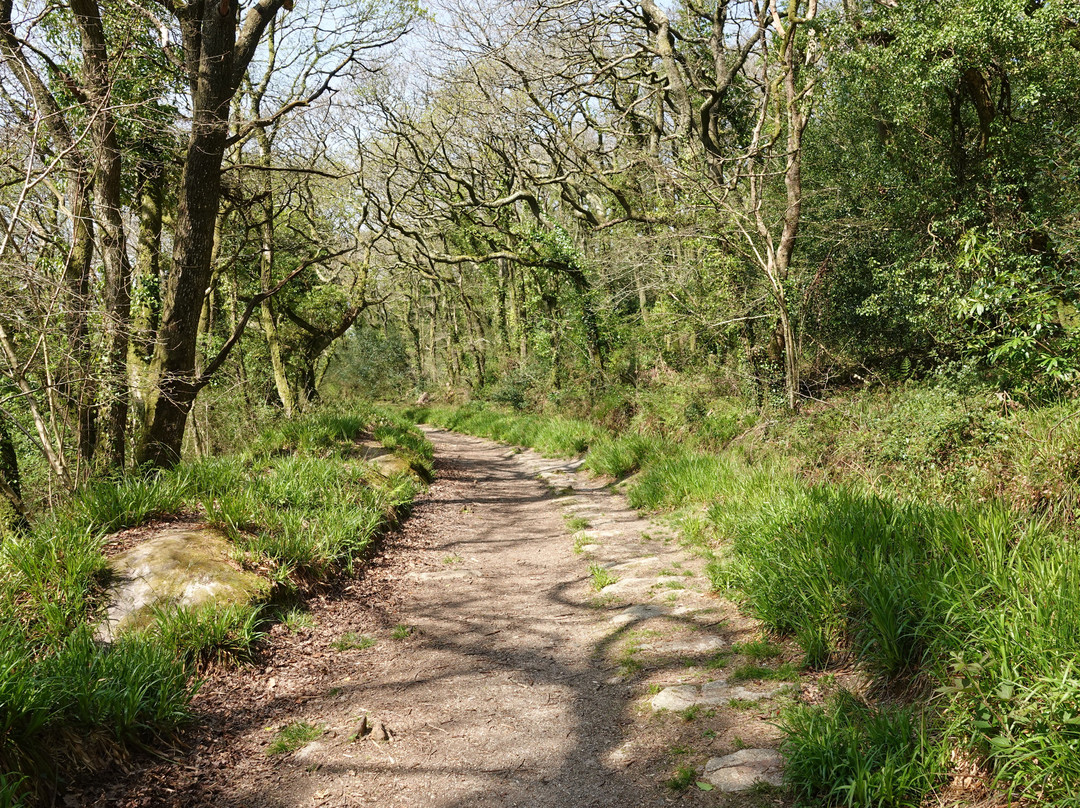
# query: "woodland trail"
{"type": "Point", "coordinates": [517, 685]}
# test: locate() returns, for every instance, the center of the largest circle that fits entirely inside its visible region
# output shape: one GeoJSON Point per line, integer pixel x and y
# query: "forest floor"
{"type": "Point", "coordinates": [478, 645]}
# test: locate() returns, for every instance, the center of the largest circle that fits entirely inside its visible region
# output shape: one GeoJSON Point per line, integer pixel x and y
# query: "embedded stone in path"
{"type": "Point", "coordinates": [679, 697]}
{"type": "Point", "coordinates": [459, 574]}
{"type": "Point", "coordinates": [632, 564]}
{"type": "Point", "coordinates": [720, 692]}
{"type": "Point", "coordinates": [744, 769]}
{"type": "Point", "coordinates": [633, 614]}
{"type": "Point", "coordinates": [687, 644]}
{"type": "Point", "coordinates": [712, 694]}
{"type": "Point", "coordinates": [179, 568]}
{"type": "Point", "coordinates": [629, 586]}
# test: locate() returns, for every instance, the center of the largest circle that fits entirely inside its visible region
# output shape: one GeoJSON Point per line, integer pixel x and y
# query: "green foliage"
{"type": "Point", "coordinates": [351, 641]}
{"type": "Point", "coordinates": [78, 694]}
{"type": "Point", "coordinates": [554, 435]}
{"type": "Point", "coordinates": [299, 499]}
{"type": "Point", "coordinates": [910, 588]}
{"type": "Point", "coordinates": [787, 672]}
{"type": "Point", "coordinates": [848, 753]}
{"type": "Point", "coordinates": [371, 363]}
{"type": "Point", "coordinates": [576, 523]}
{"type": "Point", "coordinates": [210, 635]}
{"type": "Point", "coordinates": [292, 736]}
{"type": "Point", "coordinates": [682, 779]}
{"type": "Point", "coordinates": [601, 576]}
{"type": "Point", "coordinates": [680, 478]}
{"type": "Point", "coordinates": [622, 455]}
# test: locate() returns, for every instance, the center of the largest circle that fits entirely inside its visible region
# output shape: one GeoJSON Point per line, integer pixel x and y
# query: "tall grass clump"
{"type": "Point", "coordinates": [849, 753]}
{"type": "Point", "coordinates": [681, 478]}
{"type": "Point", "coordinates": [622, 455]}
{"type": "Point", "coordinates": [977, 603]}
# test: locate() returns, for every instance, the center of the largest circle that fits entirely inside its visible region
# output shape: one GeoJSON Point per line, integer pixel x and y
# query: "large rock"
{"type": "Point", "coordinates": [177, 568]}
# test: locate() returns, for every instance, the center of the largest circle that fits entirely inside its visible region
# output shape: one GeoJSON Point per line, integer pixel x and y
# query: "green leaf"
{"type": "Point", "coordinates": [704, 786]}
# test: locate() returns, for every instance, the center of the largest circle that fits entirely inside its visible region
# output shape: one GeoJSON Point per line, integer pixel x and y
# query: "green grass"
{"type": "Point", "coordinates": [787, 672]}
{"type": "Point", "coordinates": [293, 736]}
{"type": "Point", "coordinates": [848, 753]}
{"type": "Point", "coordinates": [297, 620]}
{"type": "Point", "coordinates": [601, 576]}
{"type": "Point", "coordinates": [551, 435]}
{"type": "Point", "coordinates": [295, 503]}
{"type": "Point", "coordinates": [757, 650]}
{"type": "Point", "coordinates": [401, 632]}
{"type": "Point", "coordinates": [351, 641]}
{"type": "Point", "coordinates": [980, 600]}
{"type": "Point", "coordinates": [582, 541]}
{"type": "Point", "coordinates": [210, 635]}
{"type": "Point", "coordinates": [576, 523]}
{"type": "Point", "coordinates": [682, 778]}
{"type": "Point", "coordinates": [622, 455]}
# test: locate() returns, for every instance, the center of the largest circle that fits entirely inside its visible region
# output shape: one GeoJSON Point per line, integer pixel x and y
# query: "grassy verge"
{"type": "Point", "coordinates": [552, 435]}
{"type": "Point", "coordinates": [927, 535]}
{"type": "Point", "coordinates": [300, 503]}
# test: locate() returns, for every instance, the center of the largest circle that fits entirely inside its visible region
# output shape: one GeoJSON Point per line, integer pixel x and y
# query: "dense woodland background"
{"type": "Point", "coordinates": [206, 208]}
{"type": "Point", "coordinates": [811, 270]}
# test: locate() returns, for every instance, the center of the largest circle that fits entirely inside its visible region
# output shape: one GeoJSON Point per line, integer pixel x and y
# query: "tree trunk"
{"type": "Point", "coordinates": [266, 275]}
{"type": "Point", "coordinates": [12, 510]}
{"type": "Point", "coordinates": [146, 293]}
{"type": "Point", "coordinates": [215, 61]}
{"type": "Point", "coordinates": [113, 241]}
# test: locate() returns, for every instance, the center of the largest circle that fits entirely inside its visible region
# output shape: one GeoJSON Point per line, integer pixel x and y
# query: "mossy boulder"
{"type": "Point", "coordinates": [387, 463]}
{"type": "Point", "coordinates": [177, 568]}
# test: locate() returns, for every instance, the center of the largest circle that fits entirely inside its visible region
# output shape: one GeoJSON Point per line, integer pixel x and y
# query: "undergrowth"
{"type": "Point", "coordinates": [299, 503]}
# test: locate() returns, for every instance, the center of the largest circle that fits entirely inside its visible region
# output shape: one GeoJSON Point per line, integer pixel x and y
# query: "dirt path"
{"type": "Point", "coordinates": [517, 684]}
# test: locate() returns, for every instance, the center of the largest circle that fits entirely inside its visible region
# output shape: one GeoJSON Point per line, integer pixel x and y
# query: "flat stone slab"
{"type": "Point", "coordinates": [744, 769]}
{"type": "Point", "coordinates": [720, 692]}
{"type": "Point", "coordinates": [633, 564]}
{"type": "Point", "coordinates": [679, 697]}
{"type": "Point", "coordinates": [699, 644]}
{"type": "Point", "coordinates": [640, 611]}
{"type": "Point", "coordinates": [712, 694]}
{"type": "Point", "coordinates": [179, 568]}
{"type": "Point", "coordinates": [628, 586]}
{"type": "Point", "coordinates": [602, 533]}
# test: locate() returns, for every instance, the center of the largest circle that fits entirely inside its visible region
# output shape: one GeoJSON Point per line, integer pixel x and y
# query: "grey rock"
{"type": "Point", "coordinates": [640, 611]}
{"type": "Point", "coordinates": [677, 697]}
{"type": "Point", "coordinates": [720, 692]}
{"type": "Point", "coordinates": [628, 586]}
{"type": "Point", "coordinates": [699, 644]}
{"type": "Point", "coordinates": [309, 751]}
{"type": "Point", "coordinates": [744, 769]}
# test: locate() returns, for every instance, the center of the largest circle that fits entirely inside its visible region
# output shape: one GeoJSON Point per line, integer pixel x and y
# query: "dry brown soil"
{"type": "Point", "coordinates": [518, 683]}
